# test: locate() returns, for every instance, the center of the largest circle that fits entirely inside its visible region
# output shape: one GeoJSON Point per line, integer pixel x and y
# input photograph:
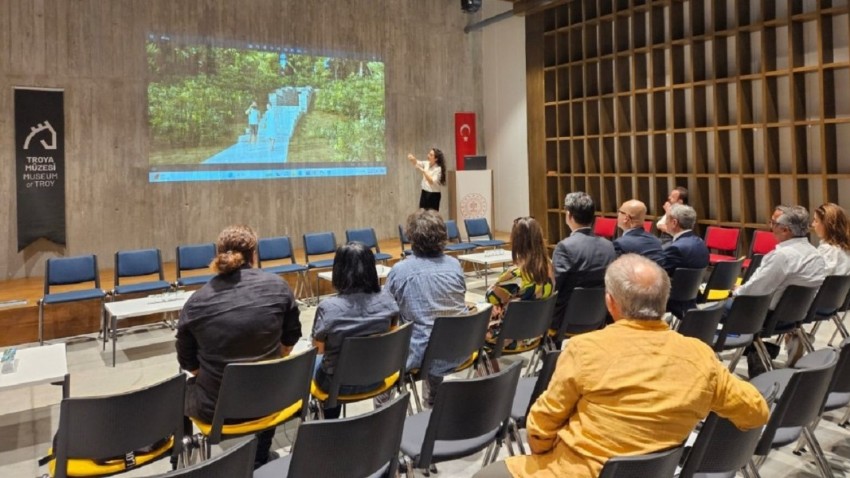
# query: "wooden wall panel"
{"type": "Point", "coordinates": [95, 50]}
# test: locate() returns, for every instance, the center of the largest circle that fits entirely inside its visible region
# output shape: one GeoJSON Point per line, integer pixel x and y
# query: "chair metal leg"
{"type": "Point", "coordinates": [801, 442]}
{"type": "Point", "coordinates": [409, 467]}
{"type": "Point", "coordinates": [763, 354]}
{"type": "Point", "coordinates": [817, 451]}
{"type": "Point", "coordinates": [843, 422]}
{"type": "Point", "coordinates": [805, 341]}
{"type": "Point", "coordinates": [416, 398]}
{"type": "Point", "coordinates": [753, 471]}
{"type": "Point", "coordinates": [488, 451]}
{"type": "Point", "coordinates": [517, 437]}
{"type": "Point", "coordinates": [733, 364]}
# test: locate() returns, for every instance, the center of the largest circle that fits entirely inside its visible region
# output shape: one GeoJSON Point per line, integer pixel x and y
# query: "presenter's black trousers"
{"type": "Point", "coordinates": [429, 200]}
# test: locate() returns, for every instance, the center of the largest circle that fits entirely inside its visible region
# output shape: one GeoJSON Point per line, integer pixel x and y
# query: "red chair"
{"type": "Point", "coordinates": [647, 226]}
{"type": "Point", "coordinates": [722, 239]}
{"type": "Point", "coordinates": [763, 242]}
{"type": "Point", "coordinates": [605, 227]}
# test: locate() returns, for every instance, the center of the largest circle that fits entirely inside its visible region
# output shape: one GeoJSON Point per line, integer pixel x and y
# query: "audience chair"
{"type": "Point", "coordinates": [365, 445]}
{"type": "Point", "coordinates": [720, 282]}
{"type": "Point", "coordinates": [236, 462]}
{"type": "Point", "coordinates": [744, 320]}
{"type": "Point", "coordinates": [585, 312]}
{"type": "Point", "coordinates": [724, 240]}
{"type": "Point", "coordinates": [763, 243]}
{"type": "Point", "coordinates": [468, 416]}
{"type": "Point", "coordinates": [69, 271]}
{"type": "Point", "coordinates": [367, 237]}
{"type": "Point", "coordinates": [605, 227]}
{"type": "Point", "coordinates": [831, 298]}
{"type": "Point", "coordinates": [276, 391]}
{"type": "Point", "coordinates": [684, 290]}
{"type": "Point", "coordinates": [701, 323]}
{"type": "Point", "coordinates": [453, 339]}
{"type": "Point", "coordinates": [657, 465]}
{"type": "Point", "coordinates": [786, 318]}
{"type": "Point", "coordinates": [136, 264]}
{"type": "Point", "coordinates": [527, 391]}
{"type": "Point", "coordinates": [647, 226]}
{"type": "Point", "coordinates": [194, 257]}
{"type": "Point", "coordinates": [100, 436]}
{"type": "Point", "coordinates": [363, 361]}
{"type": "Point", "coordinates": [801, 399]}
{"type": "Point", "coordinates": [271, 249]}
{"type": "Point", "coordinates": [319, 244]}
{"type": "Point", "coordinates": [523, 319]}
{"type": "Point", "coordinates": [405, 242]}
{"type": "Point", "coordinates": [478, 228]}
{"type": "Point", "coordinates": [455, 244]}
{"type": "Point", "coordinates": [755, 263]}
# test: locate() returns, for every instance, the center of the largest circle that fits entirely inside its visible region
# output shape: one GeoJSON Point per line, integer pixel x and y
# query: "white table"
{"type": "Point", "coordinates": [154, 304]}
{"type": "Point", "coordinates": [383, 272]}
{"type": "Point", "coordinates": [493, 256]}
{"type": "Point", "coordinates": [39, 365]}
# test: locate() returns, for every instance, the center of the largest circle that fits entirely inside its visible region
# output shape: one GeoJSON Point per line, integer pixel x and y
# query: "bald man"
{"type": "Point", "coordinates": [635, 239]}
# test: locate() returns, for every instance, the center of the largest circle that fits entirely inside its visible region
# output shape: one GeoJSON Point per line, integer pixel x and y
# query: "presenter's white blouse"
{"type": "Point", "coordinates": [434, 173]}
{"type": "Point", "coordinates": [837, 259]}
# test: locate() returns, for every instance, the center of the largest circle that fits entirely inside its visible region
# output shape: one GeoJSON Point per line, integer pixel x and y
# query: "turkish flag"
{"type": "Point", "coordinates": [465, 137]}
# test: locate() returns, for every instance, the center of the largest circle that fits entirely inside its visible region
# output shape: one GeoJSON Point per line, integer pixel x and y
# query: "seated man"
{"type": "Point", "coordinates": [679, 195]}
{"type": "Point", "coordinates": [241, 315]}
{"type": "Point", "coordinates": [426, 285]}
{"type": "Point", "coordinates": [632, 388]}
{"type": "Point", "coordinates": [581, 258]}
{"type": "Point", "coordinates": [687, 250]}
{"type": "Point", "coordinates": [635, 239]}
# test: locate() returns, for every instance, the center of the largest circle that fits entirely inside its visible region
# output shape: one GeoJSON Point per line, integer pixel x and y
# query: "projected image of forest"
{"type": "Point", "coordinates": [214, 109]}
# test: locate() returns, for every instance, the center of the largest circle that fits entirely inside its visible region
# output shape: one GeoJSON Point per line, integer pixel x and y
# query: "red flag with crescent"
{"type": "Point", "coordinates": [465, 137]}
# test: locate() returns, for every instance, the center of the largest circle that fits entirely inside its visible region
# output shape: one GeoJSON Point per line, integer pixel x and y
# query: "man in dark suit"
{"type": "Point", "coordinates": [635, 239]}
{"type": "Point", "coordinates": [686, 251]}
{"type": "Point", "coordinates": [581, 258]}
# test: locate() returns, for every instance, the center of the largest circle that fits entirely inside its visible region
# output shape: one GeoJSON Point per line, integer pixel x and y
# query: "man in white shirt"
{"type": "Point", "coordinates": [679, 195]}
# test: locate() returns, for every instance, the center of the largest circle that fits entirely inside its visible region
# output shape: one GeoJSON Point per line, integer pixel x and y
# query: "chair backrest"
{"type": "Point", "coordinates": [317, 243]}
{"type": "Point", "coordinates": [70, 270]}
{"type": "Point", "coordinates": [657, 465]}
{"type": "Point", "coordinates": [755, 263]}
{"type": "Point", "coordinates": [763, 242]}
{"type": "Point", "coordinates": [647, 226]}
{"type": "Point", "coordinates": [258, 389]}
{"type": "Point", "coordinates": [361, 445]}
{"type": "Point", "coordinates": [525, 319]}
{"type": "Point", "coordinates": [723, 277]}
{"type": "Point", "coordinates": [841, 378]}
{"type": "Point", "coordinates": [830, 298]}
{"type": "Point", "coordinates": [793, 307]}
{"type": "Point", "coordinates": [802, 400]}
{"type": "Point", "coordinates": [141, 262]}
{"type": "Point", "coordinates": [105, 427]}
{"type": "Point", "coordinates": [274, 249]}
{"type": "Point", "coordinates": [368, 360]}
{"type": "Point", "coordinates": [605, 227]}
{"type": "Point", "coordinates": [701, 323]}
{"type": "Point", "coordinates": [452, 231]}
{"type": "Point", "coordinates": [746, 316]}
{"type": "Point", "coordinates": [585, 312]}
{"type": "Point", "coordinates": [402, 237]}
{"type": "Point", "coordinates": [466, 409]}
{"type": "Point", "coordinates": [236, 462]}
{"type": "Point", "coordinates": [477, 227]}
{"type": "Point", "coordinates": [722, 238]}
{"type": "Point", "coordinates": [544, 376]}
{"type": "Point", "coordinates": [194, 256]}
{"type": "Point", "coordinates": [685, 284]}
{"type": "Point", "coordinates": [366, 236]}
{"type": "Point", "coordinates": [454, 338]}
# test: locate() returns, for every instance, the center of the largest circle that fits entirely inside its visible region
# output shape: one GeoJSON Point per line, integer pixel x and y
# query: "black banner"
{"type": "Point", "coordinates": [40, 161]}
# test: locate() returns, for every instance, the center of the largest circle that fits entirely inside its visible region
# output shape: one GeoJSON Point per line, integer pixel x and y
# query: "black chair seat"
{"type": "Point", "coordinates": [735, 341]}
{"type": "Point", "coordinates": [787, 435]}
{"type": "Point", "coordinates": [285, 269]}
{"type": "Point", "coordinates": [274, 469]}
{"type": "Point", "coordinates": [159, 285]}
{"type": "Point", "coordinates": [414, 435]}
{"type": "Point", "coordinates": [73, 296]}
{"type": "Point", "coordinates": [836, 400]}
{"type": "Point", "coordinates": [522, 398]}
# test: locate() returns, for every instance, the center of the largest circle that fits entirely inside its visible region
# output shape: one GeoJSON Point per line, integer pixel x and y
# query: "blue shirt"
{"type": "Point", "coordinates": [426, 288]}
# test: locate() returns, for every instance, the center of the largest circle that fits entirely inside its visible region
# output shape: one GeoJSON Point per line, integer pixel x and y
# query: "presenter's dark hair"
{"type": "Point", "coordinates": [441, 162]}
{"type": "Point", "coordinates": [427, 233]}
{"type": "Point", "coordinates": [354, 269]}
{"type": "Point", "coordinates": [235, 248]}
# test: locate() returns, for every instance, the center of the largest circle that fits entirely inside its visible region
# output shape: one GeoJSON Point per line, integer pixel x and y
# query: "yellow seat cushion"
{"type": "Point", "coordinates": [323, 395]}
{"type": "Point", "coordinates": [252, 426]}
{"type": "Point", "coordinates": [714, 295]}
{"type": "Point", "coordinates": [88, 467]}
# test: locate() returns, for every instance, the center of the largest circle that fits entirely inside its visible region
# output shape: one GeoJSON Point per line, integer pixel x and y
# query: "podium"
{"type": "Point", "coordinates": [470, 197]}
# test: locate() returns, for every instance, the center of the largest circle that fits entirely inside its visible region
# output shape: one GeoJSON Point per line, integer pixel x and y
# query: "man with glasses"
{"type": "Point", "coordinates": [635, 239]}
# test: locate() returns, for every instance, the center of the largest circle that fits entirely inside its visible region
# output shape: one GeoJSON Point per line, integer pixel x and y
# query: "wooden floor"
{"type": "Point", "coordinates": [19, 323]}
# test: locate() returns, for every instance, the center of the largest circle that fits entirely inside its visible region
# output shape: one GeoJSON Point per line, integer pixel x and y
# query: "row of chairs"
{"type": "Point", "coordinates": [478, 235]}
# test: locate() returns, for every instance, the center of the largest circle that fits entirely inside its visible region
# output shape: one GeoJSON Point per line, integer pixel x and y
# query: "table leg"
{"type": "Point", "coordinates": [66, 386]}
{"type": "Point", "coordinates": [114, 333]}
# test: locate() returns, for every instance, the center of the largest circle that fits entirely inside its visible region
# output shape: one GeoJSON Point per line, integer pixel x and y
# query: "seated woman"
{"type": "Point", "coordinates": [832, 226]}
{"type": "Point", "coordinates": [360, 309]}
{"type": "Point", "coordinates": [530, 278]}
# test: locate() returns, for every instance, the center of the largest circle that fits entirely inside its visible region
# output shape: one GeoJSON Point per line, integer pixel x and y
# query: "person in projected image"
{"type": "Point", "coordinates": [253, 113]}
{"type": "Point", "coordinates": [433, 178]}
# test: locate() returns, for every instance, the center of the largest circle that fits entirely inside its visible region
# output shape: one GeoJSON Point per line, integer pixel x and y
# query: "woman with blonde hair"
{"type": "Point", "coordinates": [832, 226]}
{"type": "Point", "coordinates": [530, 278]}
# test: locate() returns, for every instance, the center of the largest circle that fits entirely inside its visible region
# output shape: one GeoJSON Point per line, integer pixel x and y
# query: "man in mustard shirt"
{"type": "Point", "coordinates": [632, 388]}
